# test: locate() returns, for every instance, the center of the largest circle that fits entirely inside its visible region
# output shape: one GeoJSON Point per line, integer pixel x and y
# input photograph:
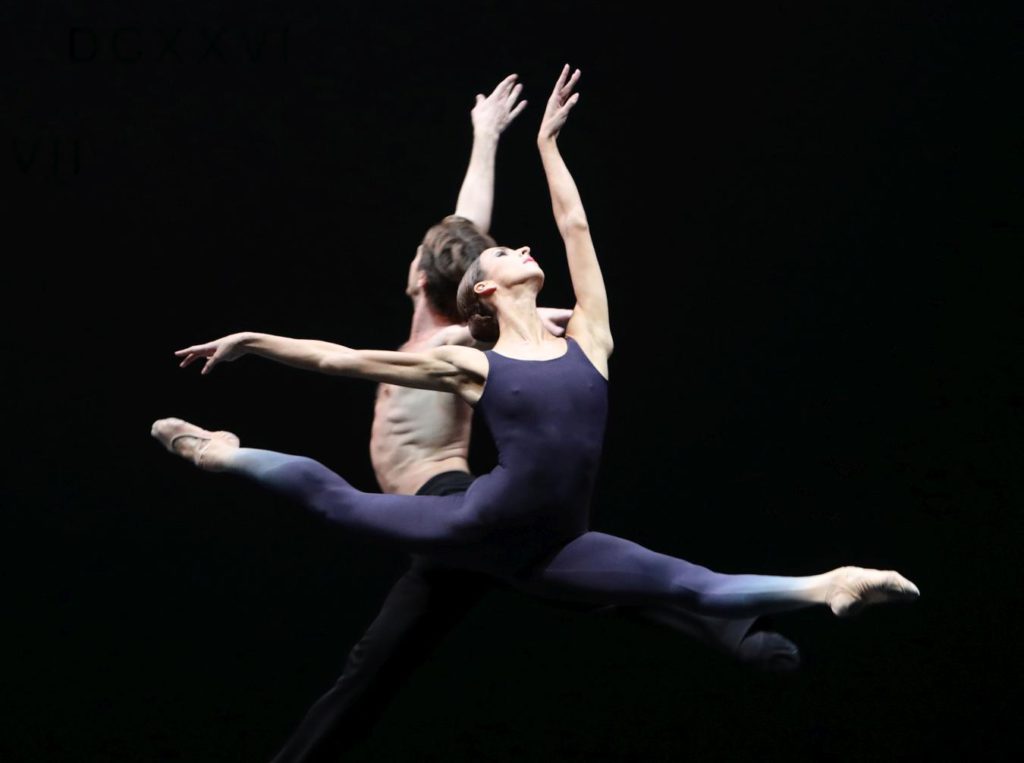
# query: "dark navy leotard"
{"type": "Point", "coordinates": [547, 418]}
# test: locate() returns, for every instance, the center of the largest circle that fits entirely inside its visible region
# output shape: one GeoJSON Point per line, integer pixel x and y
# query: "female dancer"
{"type": "Point", "coordinates": [544, 399]}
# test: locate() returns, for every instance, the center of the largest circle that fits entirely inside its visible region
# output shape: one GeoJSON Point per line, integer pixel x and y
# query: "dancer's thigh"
{"type": "Point", "coordinates": [607, 569]}
{"type": "Point", "coordinates": [599, 568]}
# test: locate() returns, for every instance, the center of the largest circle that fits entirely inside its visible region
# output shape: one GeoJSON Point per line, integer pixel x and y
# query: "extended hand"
{"type": "Point", "coordinates": [559, 104]}
{"type": "Point", "coordinates": [224, 350]}
{"type": "Point", "coordinates": [495, 112]}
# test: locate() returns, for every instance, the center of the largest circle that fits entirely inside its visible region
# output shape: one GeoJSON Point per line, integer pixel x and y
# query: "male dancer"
{"type": "Point", "coordinates": [419, 444]}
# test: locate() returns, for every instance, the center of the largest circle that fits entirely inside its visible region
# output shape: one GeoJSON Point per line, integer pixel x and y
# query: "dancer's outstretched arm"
{"type": "Point", "coordinates": [491, 115]}
{"type": "Point", "coordinates": [459, 370]}
{"type": "Point", "coordinates": [589, 324]}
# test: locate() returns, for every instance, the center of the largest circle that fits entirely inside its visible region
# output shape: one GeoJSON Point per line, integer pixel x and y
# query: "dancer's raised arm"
{"type": "Point", "coordinates": [491, 115]}
{"type": "Point", "coordinates": [459, 370]}
{"type": "Point", "coordinates": [589, 324]}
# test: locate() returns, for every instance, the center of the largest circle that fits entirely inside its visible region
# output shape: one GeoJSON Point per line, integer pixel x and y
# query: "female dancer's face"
{"type": "Point", "coordinates": [507, 266]}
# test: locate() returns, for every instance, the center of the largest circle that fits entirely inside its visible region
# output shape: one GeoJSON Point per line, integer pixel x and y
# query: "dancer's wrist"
{"type": "Point", "coordinates": [486, 137]}
{"type": "Point", "coordinates": [247, 339]}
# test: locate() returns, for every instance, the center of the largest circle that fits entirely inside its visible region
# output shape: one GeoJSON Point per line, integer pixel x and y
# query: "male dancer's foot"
{"type": "Point", "coordinates": [207, 450]}
{"type": "Point", "coordinates": [853, 588]}
{"type": "Point", "coordinates": [769, 651]}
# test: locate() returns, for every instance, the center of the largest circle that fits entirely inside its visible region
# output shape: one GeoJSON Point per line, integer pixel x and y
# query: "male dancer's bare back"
{"type": "Point", "coordinates": [418, 436]}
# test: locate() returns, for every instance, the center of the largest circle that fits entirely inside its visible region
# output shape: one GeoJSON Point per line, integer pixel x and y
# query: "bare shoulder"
{"type": "Point", "coordinates": [456, 334]}
{"type": "Point", "coordinates": [467, 359]}
{"type": "Point", "coordinates": [470, 366]}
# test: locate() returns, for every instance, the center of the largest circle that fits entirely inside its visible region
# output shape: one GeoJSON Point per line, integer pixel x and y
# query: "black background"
{"type": "Point", "coordinates": [800, 211]}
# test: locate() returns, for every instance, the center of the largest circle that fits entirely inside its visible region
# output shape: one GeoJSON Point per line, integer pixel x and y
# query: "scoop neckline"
{"type": "Point", "coordinates": [536, 360]}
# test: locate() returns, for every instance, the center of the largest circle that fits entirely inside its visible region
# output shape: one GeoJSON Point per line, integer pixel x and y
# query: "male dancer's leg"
{"type": "Point", "coordinates": [424, 605]}
{"type": "Point", "coordinates": [743, 639]}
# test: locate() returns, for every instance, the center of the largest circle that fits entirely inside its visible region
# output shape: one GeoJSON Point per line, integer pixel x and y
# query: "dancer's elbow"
{"type": "Point", "coordinates": [339, 363]}
{"type": "Point", "coordinates": [573, 223]}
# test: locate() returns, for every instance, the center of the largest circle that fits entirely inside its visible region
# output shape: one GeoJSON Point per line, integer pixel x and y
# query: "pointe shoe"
{"type": "Point", "coordinates": [857, 587]}
{"type": "Point", "coordinates": [170, 431]}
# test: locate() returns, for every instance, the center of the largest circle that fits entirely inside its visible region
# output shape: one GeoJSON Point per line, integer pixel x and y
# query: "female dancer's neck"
{"type": "Point", "coordinates": [518, 319]}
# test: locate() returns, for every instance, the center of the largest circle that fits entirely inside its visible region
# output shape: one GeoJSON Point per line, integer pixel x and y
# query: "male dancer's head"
{"type": "Point", "coordinates": [447, 251]}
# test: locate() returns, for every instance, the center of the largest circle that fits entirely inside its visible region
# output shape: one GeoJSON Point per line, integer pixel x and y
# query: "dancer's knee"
{"type": "Point", "coordinates": [308, 481]}
{"type": "Point", "coordinates": [467, 527]}
{"type": "Point", "coordinates": [306, 471]}
{"type": "Point", "coordinates": [686, 594]}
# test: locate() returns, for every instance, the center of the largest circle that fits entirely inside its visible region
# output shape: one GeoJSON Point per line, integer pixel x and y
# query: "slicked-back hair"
{"type": "Point", "coordinates": [449, 248]}
{"type": "Point", "coordinates": [483, 324]}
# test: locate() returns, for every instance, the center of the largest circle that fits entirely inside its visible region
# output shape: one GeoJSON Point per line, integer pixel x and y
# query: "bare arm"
{"type": "Point", "coordinates": [459, 370]}
{"type": "Point", "coordinates": [490, 115]}
{"type": "Point", "coordinates": [590, 316]}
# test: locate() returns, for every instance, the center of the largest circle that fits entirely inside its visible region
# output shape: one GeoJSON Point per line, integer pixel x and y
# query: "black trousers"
{"type": "Point", "coordinates": [422, 608]}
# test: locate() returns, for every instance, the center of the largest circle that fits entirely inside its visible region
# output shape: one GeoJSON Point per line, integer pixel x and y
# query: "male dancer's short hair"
{"type": "Point", "coordinates": [449, 248]}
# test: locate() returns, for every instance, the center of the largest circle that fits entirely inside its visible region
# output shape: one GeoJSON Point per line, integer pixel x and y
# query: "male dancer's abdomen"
{"type": "Point", "coordinates": [417, 434]}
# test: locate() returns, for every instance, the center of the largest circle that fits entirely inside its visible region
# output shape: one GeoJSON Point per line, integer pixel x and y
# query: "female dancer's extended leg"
{"type": "Point", "coordinates": [416, 523]}
{"type": "Point", "coordinates": [604, 568]}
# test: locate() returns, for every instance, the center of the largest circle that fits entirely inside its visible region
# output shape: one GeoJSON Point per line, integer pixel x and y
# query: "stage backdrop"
{"type": "Point", "coordinates": [796, 209]}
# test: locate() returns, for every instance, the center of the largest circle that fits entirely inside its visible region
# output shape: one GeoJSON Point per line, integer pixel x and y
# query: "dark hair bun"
{"type": "Point", "coordinates": [483, 328]}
